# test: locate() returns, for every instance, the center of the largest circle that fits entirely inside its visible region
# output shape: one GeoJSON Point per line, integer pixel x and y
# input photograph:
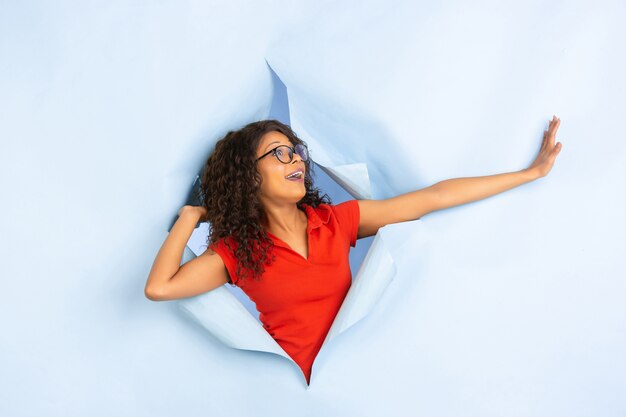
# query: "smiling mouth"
{"type": "Point", "coordinates": [298, 176]}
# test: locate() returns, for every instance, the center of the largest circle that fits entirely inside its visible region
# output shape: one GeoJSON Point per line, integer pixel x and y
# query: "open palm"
{"type": "Point", "coordinates": [549, 150]}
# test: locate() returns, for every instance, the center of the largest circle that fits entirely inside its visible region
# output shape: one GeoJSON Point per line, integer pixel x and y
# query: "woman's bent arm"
{"type": "Point", "coordinates": [168, 259]}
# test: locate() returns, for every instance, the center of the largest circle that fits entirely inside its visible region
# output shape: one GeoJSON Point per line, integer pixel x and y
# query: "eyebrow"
{"type": "Point", "coordinates": [273, 143]}
{"type": "Point", "coordinates": [270, 144]}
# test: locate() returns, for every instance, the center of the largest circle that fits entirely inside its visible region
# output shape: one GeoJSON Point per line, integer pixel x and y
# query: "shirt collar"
{"type": "Point", "coordinates": [317, 216]}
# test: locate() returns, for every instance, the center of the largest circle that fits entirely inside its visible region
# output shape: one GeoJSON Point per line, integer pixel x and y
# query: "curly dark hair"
{"type": "Point", "coordinates": [229, 186]}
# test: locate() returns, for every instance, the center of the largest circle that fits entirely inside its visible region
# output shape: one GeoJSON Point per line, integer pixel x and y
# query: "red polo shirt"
{"type": "Point", "coordinates": [298, 298]}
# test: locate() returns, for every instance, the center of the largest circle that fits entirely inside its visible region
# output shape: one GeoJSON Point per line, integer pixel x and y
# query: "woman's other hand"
{"type": "Point", "coordinates": [542, 165]}
{"type": "Point", "coordinates": [198, 211]}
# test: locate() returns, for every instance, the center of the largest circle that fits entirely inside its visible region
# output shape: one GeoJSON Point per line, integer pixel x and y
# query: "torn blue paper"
{"type": "Point", "coordinates": [229, 321]}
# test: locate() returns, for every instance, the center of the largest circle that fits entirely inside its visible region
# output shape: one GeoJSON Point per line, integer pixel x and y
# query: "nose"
{"type": "Point", "coordinates": [296, 155]}
{"type": "Point", "coordinates": [297, 159]}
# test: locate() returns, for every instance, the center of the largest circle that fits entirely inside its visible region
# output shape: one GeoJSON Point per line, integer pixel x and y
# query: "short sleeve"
{"type": "Point", "coordinates": [348, 216]}
{"type": "Point", "coordinates": [228, 258]}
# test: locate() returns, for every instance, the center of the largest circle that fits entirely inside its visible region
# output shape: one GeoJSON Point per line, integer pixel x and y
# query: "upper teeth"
{"type": "Point", "coordinates": [295, 174]}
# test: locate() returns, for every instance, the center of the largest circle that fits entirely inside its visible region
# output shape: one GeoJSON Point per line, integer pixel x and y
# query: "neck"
{"type": "Point", "coordinates": [283, 219]}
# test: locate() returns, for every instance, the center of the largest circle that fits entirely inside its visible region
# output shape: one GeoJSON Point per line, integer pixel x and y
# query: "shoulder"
{"type": "Point", "coordinates": [348, 208]}
{"type": "Point", "coordinates": [225, 246]}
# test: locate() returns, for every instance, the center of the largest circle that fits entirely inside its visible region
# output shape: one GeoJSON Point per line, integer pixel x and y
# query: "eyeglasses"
{"type": "Point", "coordinates": [285, 153]}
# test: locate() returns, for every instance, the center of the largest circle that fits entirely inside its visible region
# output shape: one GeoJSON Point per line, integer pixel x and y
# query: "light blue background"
{"type": "Point", "coordinates": [512, 305]}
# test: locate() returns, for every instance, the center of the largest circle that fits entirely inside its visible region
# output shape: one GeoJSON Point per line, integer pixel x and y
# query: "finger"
{"type": "Point", "coordinates": [552, 134]}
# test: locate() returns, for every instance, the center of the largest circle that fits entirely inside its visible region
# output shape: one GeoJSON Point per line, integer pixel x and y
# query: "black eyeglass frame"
{"type": "Point", "coordinates": [292, 149]}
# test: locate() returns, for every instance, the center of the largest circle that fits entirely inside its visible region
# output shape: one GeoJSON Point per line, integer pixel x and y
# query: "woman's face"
{"type": "Point", "coordinates": [275, 185]}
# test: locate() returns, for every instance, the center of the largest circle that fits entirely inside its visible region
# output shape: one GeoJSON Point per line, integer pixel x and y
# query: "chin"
{"type": "Point", "coordinates": [301, 196]}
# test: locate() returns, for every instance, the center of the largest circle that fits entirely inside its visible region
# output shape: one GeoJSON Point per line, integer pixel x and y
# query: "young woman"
{"type": "Point", "coordinates": [283, 244]}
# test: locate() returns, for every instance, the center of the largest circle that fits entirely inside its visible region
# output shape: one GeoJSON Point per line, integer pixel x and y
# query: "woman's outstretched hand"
{"type": "Point", "coordinates": [542, 165]}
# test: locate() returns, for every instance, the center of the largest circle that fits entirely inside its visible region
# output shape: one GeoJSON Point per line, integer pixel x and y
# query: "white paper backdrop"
{"type": "Point", "coordinates": [512, 305]}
